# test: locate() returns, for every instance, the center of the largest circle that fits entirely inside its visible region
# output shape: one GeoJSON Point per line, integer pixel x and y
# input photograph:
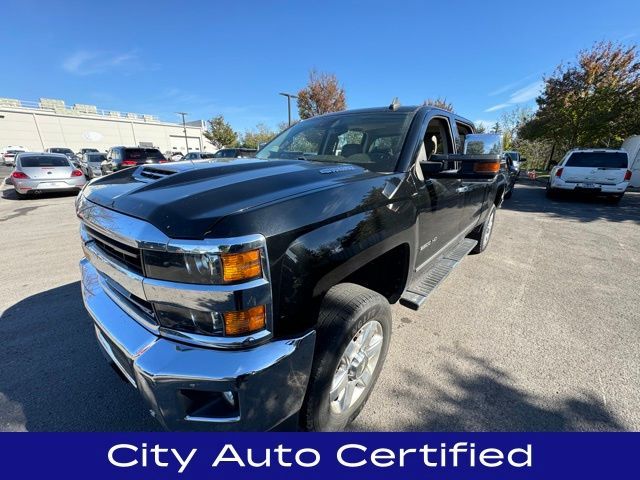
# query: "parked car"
{"type": "Point", "coordinates": [592, 171]}
{"type": "Point", "coordinates": [632, 146]}
{"type": "Point", "coordinates": [9, 156]}
{"type": "Point", "coordinates": [199, 156]}
{"type": "Point", "coordinates": [87, 150]}
{"type": "Point", "coordinates": [512, 173]}
{"type": "Point", "coordinates": [125, 157]}
{"type": "Point", "coordinates": [248, 292]}
{"type": "Point", "coordinates": [45, 172]}
{"type": "Point", "coordinates": [235, 153]}
{"type": "Point", "coordinates": [174, 156]}
{"type": "Point", "coordinates": [516, 159]}
{"type": "Point", "coordinates": [91, 164]}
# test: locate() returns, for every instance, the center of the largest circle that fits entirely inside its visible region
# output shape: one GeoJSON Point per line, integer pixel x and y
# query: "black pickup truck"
{"type": "Point", "coordinates": [240, 293]}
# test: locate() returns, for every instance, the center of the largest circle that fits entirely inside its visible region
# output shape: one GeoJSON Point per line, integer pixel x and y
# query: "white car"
{"type": "Point", "coordinates": [8, 155]}
{"type": "Point", "coordinates": [595, 171]}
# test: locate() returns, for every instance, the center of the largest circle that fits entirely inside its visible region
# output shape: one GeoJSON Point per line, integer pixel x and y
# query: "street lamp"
{"type": "Point", "coordinates": [289, 97]}
{"type": "Point", "coordinates": [184, 126]}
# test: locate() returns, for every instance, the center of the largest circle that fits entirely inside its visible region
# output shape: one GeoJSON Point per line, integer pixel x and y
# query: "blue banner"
{"type": "Point", "coordinates": [318, 456]}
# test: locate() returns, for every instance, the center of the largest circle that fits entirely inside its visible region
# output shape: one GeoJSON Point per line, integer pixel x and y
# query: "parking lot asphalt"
{"type": "Point", "coordinates": [540, 332]}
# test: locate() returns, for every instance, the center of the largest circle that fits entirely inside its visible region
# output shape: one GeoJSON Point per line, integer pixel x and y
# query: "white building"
{"type": "Point", "coordinates": [50, 123]}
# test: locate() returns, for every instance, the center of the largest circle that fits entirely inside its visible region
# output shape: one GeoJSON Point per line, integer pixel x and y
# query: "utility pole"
{"type": "Point", "coordinates": [289, 97]}
{"type": "Point", "coordinates": [184, 126]}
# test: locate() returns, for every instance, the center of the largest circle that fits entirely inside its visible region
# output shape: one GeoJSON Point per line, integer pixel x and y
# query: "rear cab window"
{"type": "Point", "coordinates": [598, 160]}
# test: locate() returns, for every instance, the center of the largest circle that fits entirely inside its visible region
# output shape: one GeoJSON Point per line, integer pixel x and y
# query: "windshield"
{"type": "Point", "coordinates": [43, 161]}
{"type": "Point", "coordinates": [514, 156]}
{"type": "Point", "coordinates": [598, 160]}
{"type": "Point", "coordinates": [372, 140]}
{"type": "Point", "coordinates": [66, 151]}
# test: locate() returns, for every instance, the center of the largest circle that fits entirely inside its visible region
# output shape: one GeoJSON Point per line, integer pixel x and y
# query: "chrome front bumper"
{"type": "Point", "coordinates": [184, 385]}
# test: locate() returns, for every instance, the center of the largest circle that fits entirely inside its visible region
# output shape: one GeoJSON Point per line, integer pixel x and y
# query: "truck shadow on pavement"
{"type": "Point", "coordinates": [53, 376]}
{"type": "Point", "coordinates": [530, 197]}
{"type": "Point", "coordinates": [486, 398]}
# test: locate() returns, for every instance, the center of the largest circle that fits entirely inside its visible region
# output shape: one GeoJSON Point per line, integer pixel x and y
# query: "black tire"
{"type": "Point", "coordinates": [20, 196]}
{"type": "Point", "coordinates": [616, 198]}
{"type": "Point", "coordinates": [481, 234]}
{"type": "Point", "coordinates": [550, 192]}
{"type": "Point", "coordinates": [345, 310]}
{"type": "Point", "coordinates": [508, 194]}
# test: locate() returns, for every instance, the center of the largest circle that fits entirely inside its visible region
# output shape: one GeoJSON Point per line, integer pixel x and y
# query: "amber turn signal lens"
{"type": "Point", "coordinates": [245, 322]}
{"type": "Point", "coordinates": [486, 167]}
{"type": "Point", "coordinates": [241, 266]}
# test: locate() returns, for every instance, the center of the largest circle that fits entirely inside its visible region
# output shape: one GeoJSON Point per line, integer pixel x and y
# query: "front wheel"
{"type": "Point", "coordinates": [354, 330]}
{"type": "Point", "coordinates": [483, 233]}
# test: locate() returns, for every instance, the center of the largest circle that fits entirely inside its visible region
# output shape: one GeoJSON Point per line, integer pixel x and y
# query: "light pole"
{"type": "Point", "coordinates": [184, 126]}
{"type": "Point", "coordinates": [289, 97]}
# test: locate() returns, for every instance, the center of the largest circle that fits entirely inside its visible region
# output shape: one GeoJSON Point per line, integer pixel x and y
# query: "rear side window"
{"type": "Point", "coordinates": [43, 161]}
{"type": "Point", "coordinates": [135, 153]}
{"type": "Point", "coordinates": [598, 160]}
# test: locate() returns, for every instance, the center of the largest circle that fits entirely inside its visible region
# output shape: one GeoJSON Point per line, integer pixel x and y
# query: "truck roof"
{"type": "Point", "coordinates": [405, 109]}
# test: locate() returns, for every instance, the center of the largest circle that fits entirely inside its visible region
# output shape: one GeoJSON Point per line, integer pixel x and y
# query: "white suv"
{"type": "Point", "coordinates": [596, 171]}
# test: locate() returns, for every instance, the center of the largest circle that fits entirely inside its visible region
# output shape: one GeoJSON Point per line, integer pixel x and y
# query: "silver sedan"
{"type": "Point", "coordinates": [45, 172]}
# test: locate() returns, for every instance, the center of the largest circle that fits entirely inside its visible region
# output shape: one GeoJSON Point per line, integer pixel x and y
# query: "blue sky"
{"type": "Point", "coordinates": [233, 57]}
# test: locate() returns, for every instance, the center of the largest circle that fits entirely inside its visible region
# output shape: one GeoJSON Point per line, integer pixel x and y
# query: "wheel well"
{"type": "Point", "coordinates": [387, 274]}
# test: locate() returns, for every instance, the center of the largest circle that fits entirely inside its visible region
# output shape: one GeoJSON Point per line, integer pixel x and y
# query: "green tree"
{"type": "Point", "coordinates": [253, 138]}
{"type": "Point", "coordinates": [220, 133]}
{"type": "Point", "coordinates": [594, 102]}
{"type": "Point", "coordinates": [323, 94]}
{"type": "Point", "coordinates": [481, 128]}
{"type": "Point", "coordinates": [439, 103]}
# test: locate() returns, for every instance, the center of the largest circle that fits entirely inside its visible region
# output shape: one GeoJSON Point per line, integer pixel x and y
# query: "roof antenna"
{"type": "Point", "coordinates": [395, 103]}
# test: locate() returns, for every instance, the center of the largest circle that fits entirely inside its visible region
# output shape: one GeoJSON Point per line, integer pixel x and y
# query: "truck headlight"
{"type": "Point", "coordinates": [188, 320]}
{"type": "Point", "coordinates": [228, 324]}
{"type": "Point", "coordinates": [203, 268]}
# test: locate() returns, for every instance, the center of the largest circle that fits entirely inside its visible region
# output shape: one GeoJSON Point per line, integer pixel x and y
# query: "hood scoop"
{"type": "Point", "coordinates": [154, 173]}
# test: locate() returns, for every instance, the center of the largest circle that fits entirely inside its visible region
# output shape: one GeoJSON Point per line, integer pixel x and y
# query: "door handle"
{"type": "Point", "coordinates": [462, 189]}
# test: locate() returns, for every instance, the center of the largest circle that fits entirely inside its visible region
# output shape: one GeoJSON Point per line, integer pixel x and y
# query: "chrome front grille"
{"type": "Point", "coordinates": [126, 254]}
{"type": "Point", "coordinates": [114, 244]}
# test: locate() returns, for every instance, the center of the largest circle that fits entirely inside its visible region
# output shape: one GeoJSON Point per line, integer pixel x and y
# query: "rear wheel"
{"type": "Point", "coordinates": [354, 330]}
{"type": "Point", "coordinates": [20, 196]}
{"type": "Point", "coordinates": [616, 198]}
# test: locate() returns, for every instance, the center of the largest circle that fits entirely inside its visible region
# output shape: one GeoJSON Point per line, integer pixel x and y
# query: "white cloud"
{"type": "Point", "coordinates": [499, 106]}
{"type": "Point", "coordinates": [87, 63]}
{"type": "Point", "coordinates": [527, 93]}
{"type": "Point", "coordinates": [524, 94]}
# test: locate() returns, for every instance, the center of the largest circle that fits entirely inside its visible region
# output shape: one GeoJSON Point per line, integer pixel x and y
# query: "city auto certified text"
{"type": "Point", "coordinates": [351, 455]}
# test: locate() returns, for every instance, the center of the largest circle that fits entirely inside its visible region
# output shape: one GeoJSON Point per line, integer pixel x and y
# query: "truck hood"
{"type": "Point", "coordinates": [186, 200]}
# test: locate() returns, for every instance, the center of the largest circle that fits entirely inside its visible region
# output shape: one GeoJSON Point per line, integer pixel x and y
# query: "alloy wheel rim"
{"type": "Point", "coordinates": [487, 231]}
{"type": "Point", "coordinates": [354, 374]}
